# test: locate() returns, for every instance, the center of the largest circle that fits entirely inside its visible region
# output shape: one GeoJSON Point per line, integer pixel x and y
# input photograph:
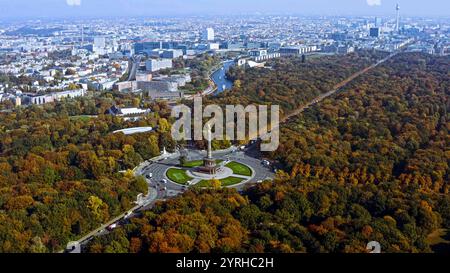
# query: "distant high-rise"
{"type": "Point", "coordinates": [99, 45]}
{"type": "Point", "coordinates": [208, 34]}
{"type": "Point", "coordinates": [397, 23]}
{"type": "Point", "coordinates": [148, 47]}
{"type": "Point", "coordinates": [99, 42]}
{"type": "Point", "coordinates": [82, 35]}
{"type": "Point", "coordinates": [378, 22]}
{"type": "Point", "coordinates": [375, 32]}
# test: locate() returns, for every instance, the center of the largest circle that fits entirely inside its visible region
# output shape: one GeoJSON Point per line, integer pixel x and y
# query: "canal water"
{"type": "Point", "coordinates": [219, 77]}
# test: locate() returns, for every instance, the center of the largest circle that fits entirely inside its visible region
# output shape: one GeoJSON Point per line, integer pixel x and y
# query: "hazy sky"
{"type": "Point", "coordinates": [93, 8]}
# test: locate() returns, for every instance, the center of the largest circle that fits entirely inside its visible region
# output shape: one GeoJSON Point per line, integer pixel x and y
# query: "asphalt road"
{"type": "Point", "coordinates": [166, 190]}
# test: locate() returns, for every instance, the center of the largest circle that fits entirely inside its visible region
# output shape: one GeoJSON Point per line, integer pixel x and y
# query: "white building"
{"type": "Point", "coordinates": [100, 42]}
{"type": "Point", "coordinates": [128, 113]}
{"type": "Point", "coordinates": [52, 97]}
{"type": "Point", "coordinates": [297, 50]}
{"type": "Point", "coordinates": [158, 64]}
{"type": "Point", "coordinates": [262, 58]}
{"type": "Point", "coordinates": [172, 53]}
{"type": "Point", "coordinates": [208, 34]}
{"type": "Point", "coordinates": [99, 45]}
{"type": "Point", "coordinates": [213, 46]}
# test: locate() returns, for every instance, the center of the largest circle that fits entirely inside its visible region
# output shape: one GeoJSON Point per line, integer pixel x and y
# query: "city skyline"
{"type": "Point", "coordinates": [22, 9]}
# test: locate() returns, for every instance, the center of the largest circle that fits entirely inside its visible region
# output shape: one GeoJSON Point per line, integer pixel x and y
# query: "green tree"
{"type": "Point", "coordinates": [98, 208]}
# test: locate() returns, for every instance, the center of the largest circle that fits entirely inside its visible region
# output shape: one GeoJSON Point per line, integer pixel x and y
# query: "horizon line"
{"type": "Point", "coordinates": [193, 15]}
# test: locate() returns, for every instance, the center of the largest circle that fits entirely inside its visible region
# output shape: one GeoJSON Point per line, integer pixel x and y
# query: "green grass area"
{"type": "Point", "coordinates": [225, 182]}
{"type": "Point", "coordinates": [193, 164]}
{"type": "Point", "coordinates": [178, 176]}
{"type": "Point", "coordinates": [239, 168]}
{"type": "Point", "coordinates": [196, 163]}
{"type": "Point", "coordinates": [231, 181]}
{"type": "Point", "coordinates": [84, 118]}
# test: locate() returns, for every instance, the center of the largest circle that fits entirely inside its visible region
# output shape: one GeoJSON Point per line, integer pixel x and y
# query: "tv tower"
{"type": "Point", "coordinates": [397, 23]}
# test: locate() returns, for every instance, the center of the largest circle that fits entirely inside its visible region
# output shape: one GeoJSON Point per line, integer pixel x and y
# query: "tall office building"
{"type": "Point", "coordinates": [148, 47]}
{"type": "Point", "coordinates": [378, 22]}
{"type": "Point", "coordinates": [99, 42]}
{"type": "Point", "coordinates": [208, 34]}
{"type": "Point", "coordinates": [99, 45]}
{"type": "Point", "coordinates": [375, 32]}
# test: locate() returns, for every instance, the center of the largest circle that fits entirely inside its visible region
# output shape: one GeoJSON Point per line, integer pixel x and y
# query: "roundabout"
{"type": "Point", "coordinates": [229, 173]}
{"type": "Point", "coordinates": [172, 174]}
{"type": "Point", "coordinates": [209, 171]}
{"type": "Point", "coordinates": [171, 177]}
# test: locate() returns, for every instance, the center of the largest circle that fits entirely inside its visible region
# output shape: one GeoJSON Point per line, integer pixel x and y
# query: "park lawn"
{"type": "Point", "coordinates": [231, 181]}
{"type": "Point", "coordinates": [225, 182]}
{"type": "Point", "coordinates": [239, 168]}
{"type": "Point", "coordinates": [193, 164]}
{"type": "Point", "coordinates": [178, 176]}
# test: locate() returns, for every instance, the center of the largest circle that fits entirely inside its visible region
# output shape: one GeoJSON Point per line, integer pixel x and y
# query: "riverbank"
{"type": "Point", "coordinates": [219, 77]}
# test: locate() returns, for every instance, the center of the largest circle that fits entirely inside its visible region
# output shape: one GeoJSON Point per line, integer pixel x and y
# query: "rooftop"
{"type": "Point", "coordinates": [135, 130]}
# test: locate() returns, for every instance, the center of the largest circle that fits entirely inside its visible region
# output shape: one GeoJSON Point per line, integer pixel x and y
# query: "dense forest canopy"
{"type": "Point", "coordinates": [59, 169]}
{"type": "Point", "coordinates": [290, 83]}
{"type": "Point", "coordinates": [390, 124]}
{"type": "Point", "coordinates": [290, 215]}
{"type": "Point", "coordinates": [369, 163]}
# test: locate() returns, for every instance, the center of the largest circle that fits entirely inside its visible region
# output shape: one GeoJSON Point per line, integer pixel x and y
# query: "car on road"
{"type": "Point", "coordinates": [128, 214]}
{"type": "Point", "coordinates": [111, 227]}
{"type": "Point", "coordinates": [265, 163]}
{"type": "Point", "coordinates": [73, 247]}
{"type": "Point", "coordinates": [164, 181]}
{"type": "Point", "coordinates": [150, 175]}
